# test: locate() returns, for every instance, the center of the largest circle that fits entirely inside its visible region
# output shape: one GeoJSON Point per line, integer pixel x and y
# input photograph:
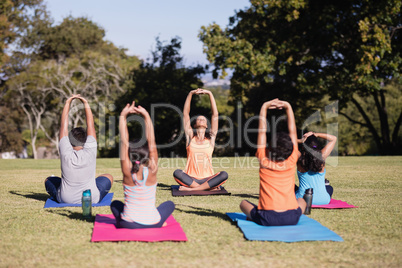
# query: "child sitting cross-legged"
{"type": "Point", "coordinates": [139, 164]}
{"type": "Point", "coordinates": [311, 166]}
{"type": "Point", "coordinates": [277, 203]}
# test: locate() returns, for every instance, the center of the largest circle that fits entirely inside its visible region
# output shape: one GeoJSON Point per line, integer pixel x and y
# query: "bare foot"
{"type": "Point", "coordinates": [164, 224]}
{"type": "Point", "coordinates": [215, 189]}
{"type": "Point", "coordinates": [188, 189]}
{"type": "Point", "coordinates": [183, 188]}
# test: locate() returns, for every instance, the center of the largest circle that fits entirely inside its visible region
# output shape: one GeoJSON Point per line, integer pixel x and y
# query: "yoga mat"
{"type": "Point", "coordinates": [306, 230]}
{"type": "Point", "coordinates": [176, 192]}
{"type": "Point", "coordinates": [334, 204]}
{"type": "Point", "coordinates": [105, 230]}
{"type": "Point", "coordinates": [51, 203]}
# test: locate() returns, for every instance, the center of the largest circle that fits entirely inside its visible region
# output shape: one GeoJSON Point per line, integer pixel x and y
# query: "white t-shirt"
{"type": "Point", "coordinates": [78, 170]}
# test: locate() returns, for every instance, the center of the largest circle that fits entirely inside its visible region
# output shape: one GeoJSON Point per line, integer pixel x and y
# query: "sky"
{"type": "Point", "coordinates": [134, 24]}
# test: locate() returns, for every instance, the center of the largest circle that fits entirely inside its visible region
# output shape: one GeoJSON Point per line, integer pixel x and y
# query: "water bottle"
{"type": "Point", "coordinates": [86, 204]}
{"type": "Point", "coordinates": [308, 197]}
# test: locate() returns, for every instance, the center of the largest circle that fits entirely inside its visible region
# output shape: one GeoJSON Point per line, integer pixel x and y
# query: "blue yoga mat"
{"type": "Point", "coordinates": [306, 230]}
{"type": "Point", "coordinates": [51, 203]}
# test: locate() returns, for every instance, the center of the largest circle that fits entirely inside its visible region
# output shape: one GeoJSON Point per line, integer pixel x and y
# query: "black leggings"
{"type": "Point", "coordinates": [213, 181]}
{"type": "Point", "coordinates": [165, 210]}
{"type": "Point", "coordinates": [329, 188]}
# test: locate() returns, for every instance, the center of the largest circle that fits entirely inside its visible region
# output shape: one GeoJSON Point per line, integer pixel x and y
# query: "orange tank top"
{"type": "Point", "coordinates": [277, 182]}
{"type": "Point", "coordinates": [199, 159]}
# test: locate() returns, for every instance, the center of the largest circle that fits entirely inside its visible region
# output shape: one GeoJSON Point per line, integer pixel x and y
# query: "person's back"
{"type": "Point", "coordinates": [277, 204]}
{"type": "Point", "coordinates": [139, 165]}
{"type": "Point", "coordinates": [277, 176]}
{"type": "Point", "coordinates": [78, 149]}
{"type": "Point", "coordinates": [78, 168]}
{"type": "Point", "coordinates": [311, 167]}
{"type": "Point", "coordinates": [316, 181]}
{"type": "Point", "coordinates": [139, 200]}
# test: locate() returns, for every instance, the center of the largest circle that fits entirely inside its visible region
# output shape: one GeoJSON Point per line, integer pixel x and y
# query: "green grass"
{"type": "Point", "coordinates": [32, 236]}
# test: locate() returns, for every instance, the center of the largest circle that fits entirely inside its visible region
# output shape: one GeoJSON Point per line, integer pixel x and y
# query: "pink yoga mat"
{"type": "Point", "coordinates": [105, 230]}
{"type": "Point", "coordinates": [335, 204]}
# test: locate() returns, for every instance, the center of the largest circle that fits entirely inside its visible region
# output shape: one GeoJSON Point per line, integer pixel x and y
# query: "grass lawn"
{"type": "Point", "coordinates": [33, 236]}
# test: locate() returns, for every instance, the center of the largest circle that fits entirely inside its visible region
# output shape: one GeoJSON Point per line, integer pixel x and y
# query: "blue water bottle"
{"type": "Point", "coordinates": [87, 204]}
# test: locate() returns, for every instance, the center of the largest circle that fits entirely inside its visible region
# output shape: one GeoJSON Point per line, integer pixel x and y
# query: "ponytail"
{"type": "Point", "coordinates": [136, 166]}
{"type": "Point", "coordinates": [139, 155]}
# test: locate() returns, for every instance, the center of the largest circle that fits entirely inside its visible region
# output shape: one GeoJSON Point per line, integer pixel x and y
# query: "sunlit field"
{"type": "Point", "coordinates": [33, 236]}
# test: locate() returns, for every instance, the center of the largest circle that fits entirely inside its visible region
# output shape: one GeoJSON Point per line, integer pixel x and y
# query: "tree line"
{"type": "Point", "coordinates": [311, 53]}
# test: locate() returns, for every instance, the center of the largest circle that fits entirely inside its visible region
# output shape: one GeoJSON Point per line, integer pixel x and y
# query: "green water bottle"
{"type": "Point", "coordinates": [86, 204]}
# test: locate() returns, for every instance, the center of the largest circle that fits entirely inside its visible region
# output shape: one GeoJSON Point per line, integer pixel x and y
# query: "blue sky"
{"type": "Point", "coordinates": [134, 24]}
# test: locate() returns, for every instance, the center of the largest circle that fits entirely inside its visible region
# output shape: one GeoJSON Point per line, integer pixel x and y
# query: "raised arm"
{"type": "Point", "coordinates": [326, 151]}
{"type": "Point", "coordinates": [64, 117]}
{"type": "Point", "coordinates": [214, 117]}
{"type": "Point", "coordinates": [262, 126]}
{"type": "Point", "coordinates": [125, 162]}
{"type": "Point", "coordinates": [262, 123]}
{"type": "Point", "coordinates": [291, 121]}
{"type": "Point", "coordinates": [88, 114]}
{"type": "Point", "coordinates": [188, 131]}
{"type": "Point", "coordinates": [89, 117]}
{"type": "Point", "coordinates": [153, 152]}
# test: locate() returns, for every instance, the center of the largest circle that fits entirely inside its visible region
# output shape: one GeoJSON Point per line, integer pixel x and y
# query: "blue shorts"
{"type": "Point", "coordinates": [103, 184]}
{"type": "Point", "coordinates": [273, 218]}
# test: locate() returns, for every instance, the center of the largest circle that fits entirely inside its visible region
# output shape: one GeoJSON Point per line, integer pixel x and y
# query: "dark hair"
{"type": "Point", "coordinates": [77, 136]}
{"type": "Point", "coordinates": [280, 148]}
{"type": "Point", "coordinates": [311, 156]}
{"type": "Point", "coordinates": [207, 131]}
{"type": "Point", "coordinates": [139, 154]}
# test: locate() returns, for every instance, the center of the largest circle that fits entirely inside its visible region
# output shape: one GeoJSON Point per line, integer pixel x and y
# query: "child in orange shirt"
{"type": "Point", "coordinates": [277, 203]}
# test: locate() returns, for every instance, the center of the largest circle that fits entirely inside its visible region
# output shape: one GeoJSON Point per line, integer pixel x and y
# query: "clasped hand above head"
{"type": "Point", "coordinates": [276, 104]}
{"type": "Point", "coordinates": [77, 96]}
{"type": "Point", "coordinates": [131, 109]}
{"type": "Point", "coordinates": [306, 135]}
{"type": "Point", "coordinates": [200, 91]}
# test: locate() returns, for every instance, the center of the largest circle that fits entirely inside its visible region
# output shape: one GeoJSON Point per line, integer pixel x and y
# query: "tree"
{"type": "Point", "coordinates": [10, 126]}
{"type": "Point", "coordinates": [73, 36]}
{"type": "Point", "coordinates": [70, 58]}
{"type": "Point", "coordinates": [45, 85]}
{"type": "Point", "coordinates": [164, 80]}
{"type": "Point", "coordinates": [33, 96]}
{"type": "Point", "coordinates": [15, 16]}
{"type": "Point", "coordinates": [304, 50]}
{"type": "Point", "coordinates": [356, 139]}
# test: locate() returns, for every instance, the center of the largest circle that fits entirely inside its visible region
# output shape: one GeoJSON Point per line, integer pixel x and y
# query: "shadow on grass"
{"type": "Point", "coordinates": [164, 187]}
{"type": "Point", "coordinates": [71, 214]}
{"type": "Point", "coordinates": [31, 195]}
{"type": "Point", "coordinates": [255, 196]}
{"type": "Point", "coordinates": [203, 212]}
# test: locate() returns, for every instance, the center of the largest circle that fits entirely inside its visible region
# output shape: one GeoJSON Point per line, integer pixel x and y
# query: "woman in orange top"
{"type": "Point", "coordinates": [277, 204]}
{"type": "Point", "coordinates": [200, 143]}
